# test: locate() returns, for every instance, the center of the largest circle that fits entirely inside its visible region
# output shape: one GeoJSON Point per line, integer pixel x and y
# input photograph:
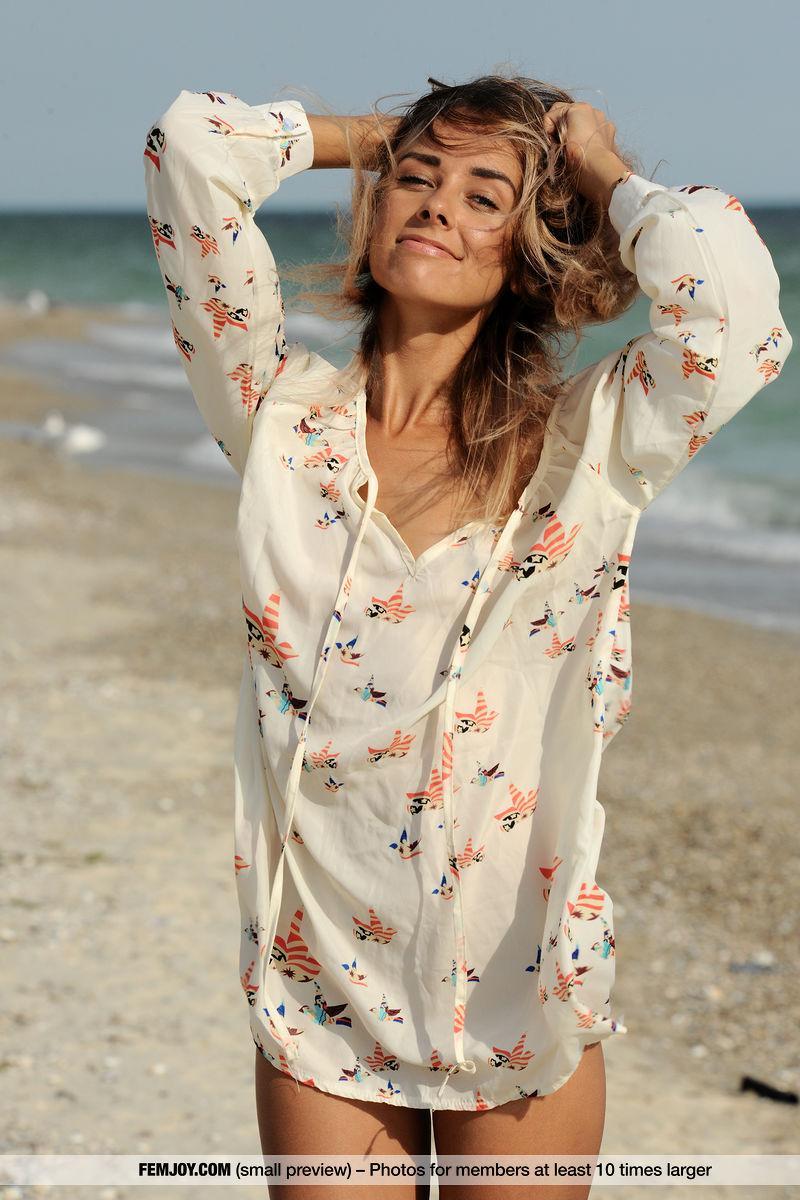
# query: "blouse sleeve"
{"type": "Point", "coordinates": [210, 161]}
{"type": "Point", "coordinates": [716, 333]}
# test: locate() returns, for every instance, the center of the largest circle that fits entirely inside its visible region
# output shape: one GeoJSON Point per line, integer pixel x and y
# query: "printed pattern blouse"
{"type": "Point", "coordinates": [418, 740]}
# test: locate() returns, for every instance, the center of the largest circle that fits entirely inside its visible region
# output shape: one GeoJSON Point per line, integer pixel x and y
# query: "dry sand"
{"type": "Point", "coordinates": [124, 1028]}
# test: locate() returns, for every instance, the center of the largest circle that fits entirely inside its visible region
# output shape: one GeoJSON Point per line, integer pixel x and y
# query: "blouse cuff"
{"type": "Point", "coordinates": [628, 198]}
{"type": "Point", "coordinates": [294, 131]}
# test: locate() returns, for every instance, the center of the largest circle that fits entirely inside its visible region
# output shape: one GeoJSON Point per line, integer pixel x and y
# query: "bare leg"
{"type": "Point", "coordinates": [568, 1121]}
{"type": "Point", "coordinates": [303, 1120]}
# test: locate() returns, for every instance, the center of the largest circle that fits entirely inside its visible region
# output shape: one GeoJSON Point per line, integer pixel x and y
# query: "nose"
{"type": "Point", "coordinates": [434, 208]}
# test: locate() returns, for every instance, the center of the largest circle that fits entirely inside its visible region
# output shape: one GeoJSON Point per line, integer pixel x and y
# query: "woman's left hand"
{"type": "Point", "coordinates": [589, 140]}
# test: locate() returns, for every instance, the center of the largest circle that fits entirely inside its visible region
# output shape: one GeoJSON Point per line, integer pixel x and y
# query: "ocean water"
{"type": "Point", "coordinates": [723, 538]}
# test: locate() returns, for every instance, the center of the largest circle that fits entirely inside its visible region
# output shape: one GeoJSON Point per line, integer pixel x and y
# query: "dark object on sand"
{"type": "Point", "coordinates": [748, 1084]}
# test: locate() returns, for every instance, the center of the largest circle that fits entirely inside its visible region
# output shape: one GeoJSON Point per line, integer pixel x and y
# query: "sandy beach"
{"type": "Point", "coordinates": [124, 1027]}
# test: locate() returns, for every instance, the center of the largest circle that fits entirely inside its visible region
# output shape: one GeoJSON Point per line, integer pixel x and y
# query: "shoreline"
{"type": "Point", "coordinates": [129, 424]}
{"type": "Point", "coordinates": [122, 657]}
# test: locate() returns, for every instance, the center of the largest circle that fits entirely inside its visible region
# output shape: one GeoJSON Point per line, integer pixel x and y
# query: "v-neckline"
{"type": "Point", "coordinates": [414, 565]}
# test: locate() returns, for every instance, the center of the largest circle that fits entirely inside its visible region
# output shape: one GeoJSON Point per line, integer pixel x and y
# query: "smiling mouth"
{"type": "Point", "coordinates": [420, 246]}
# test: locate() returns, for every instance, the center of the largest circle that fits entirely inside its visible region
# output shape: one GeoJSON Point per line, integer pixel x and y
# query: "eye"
{"type": "Point", "coordinates": [489, 203]}
{"type": "Point", "coordinates": [411, 179]}
{"type": "Point", "coordinates": [486, 201]}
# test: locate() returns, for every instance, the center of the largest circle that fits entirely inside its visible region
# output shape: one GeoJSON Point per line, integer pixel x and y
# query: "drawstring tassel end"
{"type": "Point", "coordinates": [466, 1064]}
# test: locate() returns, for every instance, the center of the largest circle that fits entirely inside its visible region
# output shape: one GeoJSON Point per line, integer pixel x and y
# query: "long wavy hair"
{"type": "Point", "coordinates": [562, 258]}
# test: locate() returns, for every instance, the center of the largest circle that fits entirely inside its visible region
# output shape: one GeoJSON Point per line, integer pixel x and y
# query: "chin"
{"type": "Point", "coordinates": [422, 292]}
{"type": "Point", "coordinates": [429, 299]}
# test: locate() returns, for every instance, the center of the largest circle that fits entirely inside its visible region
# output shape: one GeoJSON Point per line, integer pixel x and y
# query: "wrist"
{"type": "Point", "coordinates": [334, 135]}
{"type": "Point", "coordinates": [372, 132]}
{"type": "Point", "coordinates": [600, 175]}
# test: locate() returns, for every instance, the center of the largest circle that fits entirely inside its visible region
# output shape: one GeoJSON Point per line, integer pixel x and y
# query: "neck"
{"type": "Point", "coordinates": [417, 359]}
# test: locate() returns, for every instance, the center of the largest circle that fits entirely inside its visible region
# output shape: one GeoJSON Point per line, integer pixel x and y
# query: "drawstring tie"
{"type": "Point", "coordinates": [278, 1026]}
{"type": "Point", "coordinates": [460, 651]}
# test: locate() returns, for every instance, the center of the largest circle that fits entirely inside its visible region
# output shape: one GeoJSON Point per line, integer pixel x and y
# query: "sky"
{"type": "Point", "coordinates": [701, 92]}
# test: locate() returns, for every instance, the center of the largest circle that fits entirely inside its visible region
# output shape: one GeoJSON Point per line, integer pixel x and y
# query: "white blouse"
{"type": "Point", "coordinates": [418, 740]}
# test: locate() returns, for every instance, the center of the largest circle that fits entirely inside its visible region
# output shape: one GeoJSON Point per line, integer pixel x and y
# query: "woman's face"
{"type": "Point", "coordinates": [459, 197]}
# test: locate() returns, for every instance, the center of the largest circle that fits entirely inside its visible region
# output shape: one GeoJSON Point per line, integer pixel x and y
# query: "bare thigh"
{"type": "Point", "coordinates": [303, 1120]}
{"type": "Point", "coordinates": [568, 1121]}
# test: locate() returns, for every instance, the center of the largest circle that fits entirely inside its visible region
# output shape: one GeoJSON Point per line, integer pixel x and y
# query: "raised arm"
{"type": "Point", "coordinates": [716, 332]}
{"type": "Point", "coordinates": [210, 161]}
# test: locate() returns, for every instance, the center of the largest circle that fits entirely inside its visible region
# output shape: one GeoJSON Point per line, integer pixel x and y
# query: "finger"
{"type": "Point", "coordinates": [555, 110]}
{"type": "Point", "coordinates": [552, 116]}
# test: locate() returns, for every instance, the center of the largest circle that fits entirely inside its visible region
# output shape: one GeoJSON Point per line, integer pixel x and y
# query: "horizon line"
{"type": "Point", "coordinates": [295, 210]}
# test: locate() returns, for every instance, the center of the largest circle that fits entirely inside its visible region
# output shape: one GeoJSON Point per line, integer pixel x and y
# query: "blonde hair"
{"type": "Point", "coordinates": [562, 257]}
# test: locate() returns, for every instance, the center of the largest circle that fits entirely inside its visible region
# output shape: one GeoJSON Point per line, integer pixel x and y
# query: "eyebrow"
{"type": "Point", "coordinates": [433, 160]}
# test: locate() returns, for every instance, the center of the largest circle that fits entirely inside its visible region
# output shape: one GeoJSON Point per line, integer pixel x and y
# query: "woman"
{"type": "Point", "coordinates": [434, 543]}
